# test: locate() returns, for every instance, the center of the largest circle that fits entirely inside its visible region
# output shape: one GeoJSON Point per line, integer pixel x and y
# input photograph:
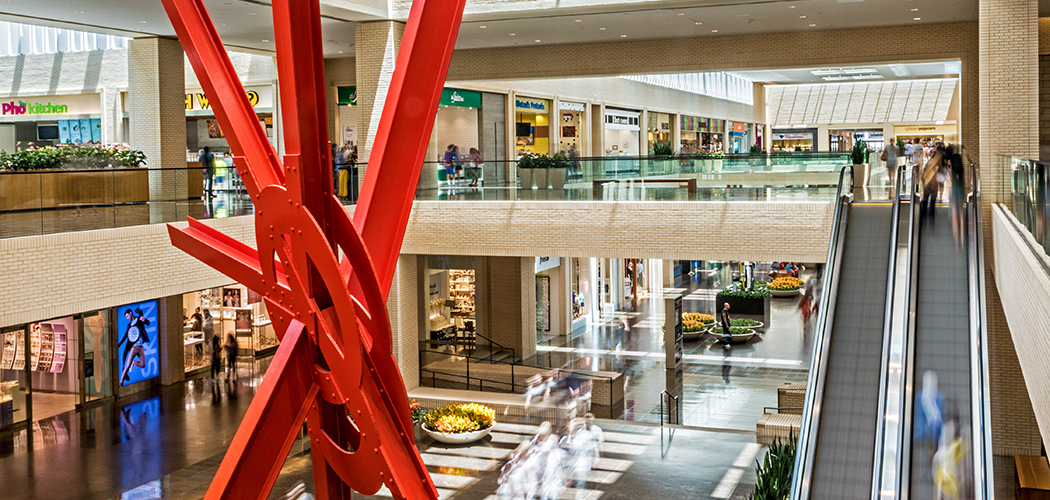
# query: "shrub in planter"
{"type": "Point", "coordinates": [418, 412]}
{"type": "Point", "coordinates": [755, 293]}
{"type": "Point", "coordinates": [717, 330]}
{"type": "Point", "coordinates": [700, 317]}
{"type": "Point", "coordinates": [460, 418]}
{"type": "Point", "coordinates": [71, 156]}
{"type": "Point", "coordinates": [776, 472]}
{"type": "Point", "coordinates": [743, 323]}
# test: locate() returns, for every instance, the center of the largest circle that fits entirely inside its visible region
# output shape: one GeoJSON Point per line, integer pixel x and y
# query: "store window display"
{"type": "Point", "coordinates": [223, 311]}
{"type": "Point", "coordinates": [12, 380]}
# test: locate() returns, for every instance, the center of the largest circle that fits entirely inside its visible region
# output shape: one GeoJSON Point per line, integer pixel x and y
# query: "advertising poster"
{"type": "Point", "coordinates": [96, 130]}
{"type": "Point", "coordinates": [137, 344]}
{"type": "Point", "coordinates": [74, 130]}
{"type": "Point", "coordinates": [63, 131]}
{"type": "Point", "coordinates": [85, 129]}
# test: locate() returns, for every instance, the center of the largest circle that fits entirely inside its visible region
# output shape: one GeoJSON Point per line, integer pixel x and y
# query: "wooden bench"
{"type": "Point", "coordinates": [1033, 477]}
{"type": "Point", "coordinates": [777, 425]}
{"type": "Point", "coordinates": [599, 183]}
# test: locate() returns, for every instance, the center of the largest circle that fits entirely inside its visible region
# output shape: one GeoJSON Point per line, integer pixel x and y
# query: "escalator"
{"type": "Point", "coordinates": [837, 444]}
{"type": "Point", "coordinates": [946, 339]}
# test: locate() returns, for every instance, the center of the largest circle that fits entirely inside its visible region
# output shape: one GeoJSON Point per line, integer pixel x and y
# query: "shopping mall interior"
{"type": "Point", "coordinates": [691, 249]}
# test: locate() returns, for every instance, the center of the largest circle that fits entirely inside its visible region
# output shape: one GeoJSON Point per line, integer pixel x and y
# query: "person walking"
{"type": "Point", "coordinates": [725, 319]}
{"type": "Point", "coordinates": [958, 197]}
{"type": "Point", "coordinates": [931, 185]}
{"type": "Point", "coordinates": [450, 164]}
{"type": "Point", "coordinates": [215, 351]}
{"type": "Point", "coordinates": [474, 166]}
{"type": "Point", "coordinates": [207, 160]}
{"type": "Point", "coordinates": [231, 349]}
{"type": "Point", "coordinates": [889, 155]}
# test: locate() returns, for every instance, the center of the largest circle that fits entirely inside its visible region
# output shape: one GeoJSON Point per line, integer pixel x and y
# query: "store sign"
{"type": "Point", "coordinates": [621, 120]}
{"type": "Point", "coordinates": [347, 96]}
{"type": "Point", "coordinates": [571, 106]}
{"type": "Point", "coordinates": [545, 263]}
{"type": "Point", "coordinates": [924, 129]}
{"type": "Point", "coordinates": [461, 98]}
{"type": "Point", "coordinates": [530, 105]}
{"type": "Point", "coordinates": [792, 137]}
{"type": "Point", "coordinates": [32, 108]}
{"type": "Point", "coordinates": [259, 97]}
{"type": "Point", "coordinates": [739, 128]}
{"type": "Point", "coordinates": [50, 105]}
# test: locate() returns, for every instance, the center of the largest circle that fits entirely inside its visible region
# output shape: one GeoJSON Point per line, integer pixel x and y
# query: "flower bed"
{"type": "Point", "coordinates": [460, 418]}
{"type": "Point", "coordinates": [71, 156]}
{"type": "Point", "coordinates": [696, 322]}
{"type": "Point", "coordinates": [744, 323]}
{"type": "Point", "coordinates": [785, 284]}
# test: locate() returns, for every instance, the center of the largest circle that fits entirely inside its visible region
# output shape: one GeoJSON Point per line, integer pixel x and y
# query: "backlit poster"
{"type": "Point", "coordinates": [74, 131]}
{"type": "Point", "coordinates": [85, 130]}
{"type": "Point", "coordinates": [63, 131]}
{"type": "Point", "coordinates": [137, 344]}
{"type": "Point", "coordinates": [96, 130]}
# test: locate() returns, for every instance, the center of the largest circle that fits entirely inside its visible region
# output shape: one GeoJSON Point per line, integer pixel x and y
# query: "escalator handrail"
{"type": "Point", "coordinates": [803, 473]}
{"type": "Point", "coordinates": [908, 343]}
{"type": "Point", "coordinates": [887, 331]}
{"type": "Point", "coordinates": [980, 394]}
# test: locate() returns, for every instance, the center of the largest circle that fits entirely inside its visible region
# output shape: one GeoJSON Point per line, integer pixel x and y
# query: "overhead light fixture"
{"type": "Point", "coordinates": [623, 36]}
{"type": "Point", "coordinates": [602, 29]}
{"type": "Point", "coordinates": [837, 78]}
{"type": "Point", "coordinates": [537, 41]}
{"type": "Point", "coordinates": [265, 40]}
{"type": "Point", "coordinates": [340, 52]}
{"type": "Point", "coordinates": [512, 34]}
{"type": "Point", "coordinates": [812, 25]}
{"type": "Point", "coordinates": [483, 27]}
{"type": "Point", "coordinates": [801, 17]}
{"type": "Point", "coordinates": [698, 23]}
{"type": "Point", "coordinates": [142, 22]}
{"type": "Point", "coordinates": [681, 13]}
{"type": "Point", "coordinates": [75, 11]}
{"type": "Point", "coordinates": [251, 13]}
{"type": "Point", "coordinates": [579, 20]}
{"type": "Point", "coordinates": [857, 71]}
{"type": "Point", "coordinates": [791, 6]}
{"type": "Point", "coordinates": [916, 19]}
{"type": "Point", "coordinates": [818, 72]}
{"type": "Point", "coordinates": [915, 10]}
{"type": "Point", "coordinates": [866, 77]}
{"type": "Point", "coordinates": [714, 31]}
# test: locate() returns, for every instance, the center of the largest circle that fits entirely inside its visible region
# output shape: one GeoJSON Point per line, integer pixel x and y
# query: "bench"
{"type": "Point", "coordinates": [598, 184]}
{"type": "Point", "coordinates": [791, 398]}
{"type": "Point", "coordinates": [1033, 477]}
{"type": "Point", "coordinates": [777, 425]}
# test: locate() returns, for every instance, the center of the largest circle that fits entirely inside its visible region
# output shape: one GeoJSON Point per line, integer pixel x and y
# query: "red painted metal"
{"type": "Point", "coordinates": [334, 367]}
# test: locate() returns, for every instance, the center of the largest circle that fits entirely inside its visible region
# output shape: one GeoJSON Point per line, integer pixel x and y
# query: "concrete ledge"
{"type": "Point", "coordinates": [777, 425]}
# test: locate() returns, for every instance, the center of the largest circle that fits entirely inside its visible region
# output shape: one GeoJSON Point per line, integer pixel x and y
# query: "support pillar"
{"type": "Point", "coordinates": [404, 305]}
{"type": "Point", "coordinates": [171, 344]}
{"type": "Point", "coordinates": [1009, 108]}
{"type": "Point", "coordinates": [157, 120]}
{"type": "Point", "coordinates": [506, 288]}
{"type": "Point", "coordinates": [376, 51]}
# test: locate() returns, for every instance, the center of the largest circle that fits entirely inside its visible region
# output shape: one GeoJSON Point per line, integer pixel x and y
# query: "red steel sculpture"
{"type": "Point", "coordinates": [334, 367]}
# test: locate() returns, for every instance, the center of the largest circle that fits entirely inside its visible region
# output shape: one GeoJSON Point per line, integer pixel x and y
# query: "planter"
{"type": "Point", "coordinates": [784, 293]}
{"type": "Point", "coordinates": [694, 336]}
{"type": "Point", "coordinates": [736, 338]}
{"type": "Point", "coordinates": [45, 189]}
{"type": "Point", "coordinates": [861, 172]}
{"type": "Point", "coordinates": [557, 176]}
{"type": "Point", "coordinates": [541, 177]}
{"type": "Point", "coordinates": [526, 177]}
{"type": "Point", "coordinates": [460, 438]}
{"type": "Point", "coordinates": [755, 327]}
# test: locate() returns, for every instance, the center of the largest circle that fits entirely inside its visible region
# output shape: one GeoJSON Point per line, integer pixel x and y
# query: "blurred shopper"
{"type": "Point", "coordinates": [915, 155]}
{"type": "Point", "coordinates": [473, 166]}
{"type": "Point", "coordinates": [958, 197]}
{"type": "Point", "coordinates": [231, 349]}
{"type": "Point", "coordinates": [931, 185]}
{"type": "Point", "coordinates": [584, 448]}
{"type": "Point", "coordinates": [457, 161]}
{"type": "Point", "coordinates": [450, 164]}
{"type": "Point", "coordinates": [725, 319]}
{"type": "Point", "coordinates": [207, 160]}
{"type": "Point", "coordinates": [889, 155]}
{"type": "Point", "coordinates": [929, 411]}
{"type": "Point", "coordinates": [215, 351]}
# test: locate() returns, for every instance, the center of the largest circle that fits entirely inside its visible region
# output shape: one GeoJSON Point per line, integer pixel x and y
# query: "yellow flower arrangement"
{"type": "Point", "coordinates": [785, 284]}
{"type": "Point", "coordinates": [460, 418]}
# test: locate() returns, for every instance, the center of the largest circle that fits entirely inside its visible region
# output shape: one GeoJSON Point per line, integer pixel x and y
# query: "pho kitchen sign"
{"type": "Point", "coordinates": [84, 104]}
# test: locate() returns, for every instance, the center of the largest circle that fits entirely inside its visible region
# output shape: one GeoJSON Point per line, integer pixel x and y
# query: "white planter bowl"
{"type": "Point", "coordinates": [784, 293]}
{"type": "Point", "coordinates": [460, 438]}
{"type": "Point", "coordinates": [756, 327]}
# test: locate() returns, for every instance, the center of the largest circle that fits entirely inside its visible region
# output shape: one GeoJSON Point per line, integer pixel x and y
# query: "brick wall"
{"type": "Point", "coordinates": [506, 302]}
{"type": "Point", "coordinates": [404, 306]}
{"type": "Point", "coordinates": [171, 342]}
{"type": "Point", "coordinates": [1044, 102]}
{"type": "Point", "coordinates": [376, 48]}
{"type": "Point", "coordinates": [338, 72]}
{"type": "Point", "coordinates": [1024, 289]}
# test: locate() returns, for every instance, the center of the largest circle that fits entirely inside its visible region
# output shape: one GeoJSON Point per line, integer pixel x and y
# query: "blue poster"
{"type": "Point", "coordinates": [63, 131]}
{"type": "Point", "coordinates": [137, 347]}
{"type": "Point", "coordinates": [85, 130]}
{"type": "Point", "coordinates": [74, 131]}
{"type": "Point", "coordinates": [96, 130]}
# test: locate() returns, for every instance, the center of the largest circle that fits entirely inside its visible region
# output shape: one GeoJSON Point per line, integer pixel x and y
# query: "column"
{"type": "Point", "coordinates": [403, 306]}
{"type": "Point", "coordinates": [668, 273]}
{"type": "Point", "coordinates": [506, 288]}
{"type": "Point", "coordinates": [643, 133]}
{"type": "Point", "coordinates": [376, 48]}
{"type": "Point", "coordinates": [171, 343]}
{"type": "Point", "coordinates": [676, 132]}
{"type": "Point", "coordinates": [1009, 97]}
{"type": "Point", "coordinates": [157, 119]}
{"type": "Point", "coordinates": [616, 283]}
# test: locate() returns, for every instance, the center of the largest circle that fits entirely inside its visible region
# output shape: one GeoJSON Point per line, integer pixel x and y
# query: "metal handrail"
{"type": "Point", "coordinates": [803, 473]}
{"type": "Point", "coordinates": [677, 408]}
{"type": "Point", "coordinates": [979, 395]}
{"type": "Point", "coordinates": [911, 298]}
{"type": "Point", "coordinates": [513, 353]}
{"type": "Point", "coordinates": [887, 332]}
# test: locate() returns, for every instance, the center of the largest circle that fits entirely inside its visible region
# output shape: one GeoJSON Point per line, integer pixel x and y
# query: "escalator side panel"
{"type": "Point", "coordinates": [845, 447]}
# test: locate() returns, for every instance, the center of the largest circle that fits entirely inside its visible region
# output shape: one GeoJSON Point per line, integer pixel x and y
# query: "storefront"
{"type": "Point", "coordinates": [49, 120]}
{"type": "Point", "coordinates": [794, 140]}
{"type": "Point", "coordinates": [570, 136]}
{"type": "Point", "coordinates": [346, 115]}
{"type": "Point", "coordinates": [549, 297]}
{"type": "Point", "coordinates": [712, 133]}
{"type": "Point", "coordinates": [690, 133]}
{"type": "Point", "coordinates": [739, 134]}
{"type": "Point", "coordinates": [202, 128]}
{"type": "Point", "coordinates": [658, 131]}
{"type": "Point", "coordinates": [458, 122]}
{"type": "Point", "coordinates": [451, 296]}
{"type": "Point", "coordinates": [843, 140]}
{"type": "Point", "coordinates": [946, 133]}
{"type": "Point", "coordinates": [583, 292]}
{"type": "Point", "coordinates": [531, 125]}
{"type": "Point", "coordinates": [622, 132]}
{"type": "Point", "coordinates": [224, 311]}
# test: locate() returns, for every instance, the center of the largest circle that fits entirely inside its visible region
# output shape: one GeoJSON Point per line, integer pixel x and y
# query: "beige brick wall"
{"type": "Point", "coordinates": [376, 51]}
{"type": "Point", "coordinates": [1024, 289]}
{"type": "Point", "coordinates": [338, 72]}
{"type": "Point", "coordinates": [171, 342]}
{"type": "Point", "coordinates": [655, 230]}
{"type": "Point", "coordinates": [506, 302]}
{"type": "Point", "coordinates": [403, 306]}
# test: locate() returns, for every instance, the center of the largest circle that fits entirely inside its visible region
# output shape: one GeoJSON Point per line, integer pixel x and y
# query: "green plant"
{"type": "Point", "coordinates": [528, 160]}
{"type": "Point", "coordinates": [776, 471]}
{"type": "Point", "coordinates": [715, 155]}
{"type": "Point", "coordinates": [70, 156]}
{"type": "Point", "coordinates": [418, 412]}
{"type": "Point", "coordinates": [559, 160]}
{"type": "Point", "coordinates": [743, 322]}
{"type": "Point", "coordinates": [755, 148]}
{"type": "Point", "coordinates": [901, 145]}
{"type": "Point", "coordinates": [662, 149]}
{"type": "Point", "coordinates": [717, 330]}
{"type": "Point", "coordinates": [460, 418]}
{"type": "Point", "coordinates": [756, 293]}
{"type": "Point", "coordinates": [859, 153]}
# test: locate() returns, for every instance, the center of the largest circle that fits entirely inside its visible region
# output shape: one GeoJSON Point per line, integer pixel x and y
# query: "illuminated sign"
{"type": "Point", "coordinates": [32, 108]}
{"type": "Point", "coordinates": [526, 104]}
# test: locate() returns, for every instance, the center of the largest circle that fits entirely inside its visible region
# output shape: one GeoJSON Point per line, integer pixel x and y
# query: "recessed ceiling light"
{"type": "Point", "coordinates": [483, 27]}
{"type": "Point", "coordinates": [801, 17]}
{"type": "Point", "coordinates": [623, 36]}
{"type": "Point", "coordinates": [265, 40]}
{"type": "Point", "coordinates": [791, 6]}
{"type": "Point", "coordinates": [512, 34]}
{"type": "Point", "coordinates": [579, 20]}
{"type": "Point", "coordinates": [698, 23]}
{"type": "Point", "coordinates": [915, 10]}
{"type": "Point", "coordinates": [602, 29]}
{"type": "Point", "coordinates": [681, 13]}
{"type": "Point", "coordinates": [812, 25]}
{"type": "Point", "coordinates": [714, 31]}
{"type": "Point", "coordinates": [537, 41]}
{"type": "Point", "coordinates": [75, 12]}
{"type": "Point", "coordinates": [916, 18]}
{"type": "Point", "coordinates": [142, 22]}
{"type": "Point", "coordinates": [251, 13]}
{"type": "Point", "coordinates": [340, 52]}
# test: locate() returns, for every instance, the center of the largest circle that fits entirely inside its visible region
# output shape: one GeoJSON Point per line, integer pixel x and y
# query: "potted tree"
{"type": "Point", "coordinates": [526, 163]}
{"type": "Point", "coordinates": [559, 166]}
{"type": "Point", "coordinates": [859, 155]}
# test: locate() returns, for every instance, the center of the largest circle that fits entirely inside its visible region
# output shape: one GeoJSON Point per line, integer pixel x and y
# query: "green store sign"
{"type": "Point", "coordinates": [461, 98]}
{"type": "Point", "coordinates": [347, 95]}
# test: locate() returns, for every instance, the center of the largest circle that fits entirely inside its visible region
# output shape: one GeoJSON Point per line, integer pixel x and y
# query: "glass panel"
{"type": "Point", "coordinates": [12, 377]}
{"type": "Point", "coordinates": [97, 367]}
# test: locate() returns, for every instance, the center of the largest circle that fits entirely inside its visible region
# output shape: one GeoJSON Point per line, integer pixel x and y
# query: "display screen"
{"type": "Point", "coordinates": [137, 344]}
{"type": "Point", "coordinates": [47, 132]}
{"type": "Point", "coordinates": [523, 129]}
